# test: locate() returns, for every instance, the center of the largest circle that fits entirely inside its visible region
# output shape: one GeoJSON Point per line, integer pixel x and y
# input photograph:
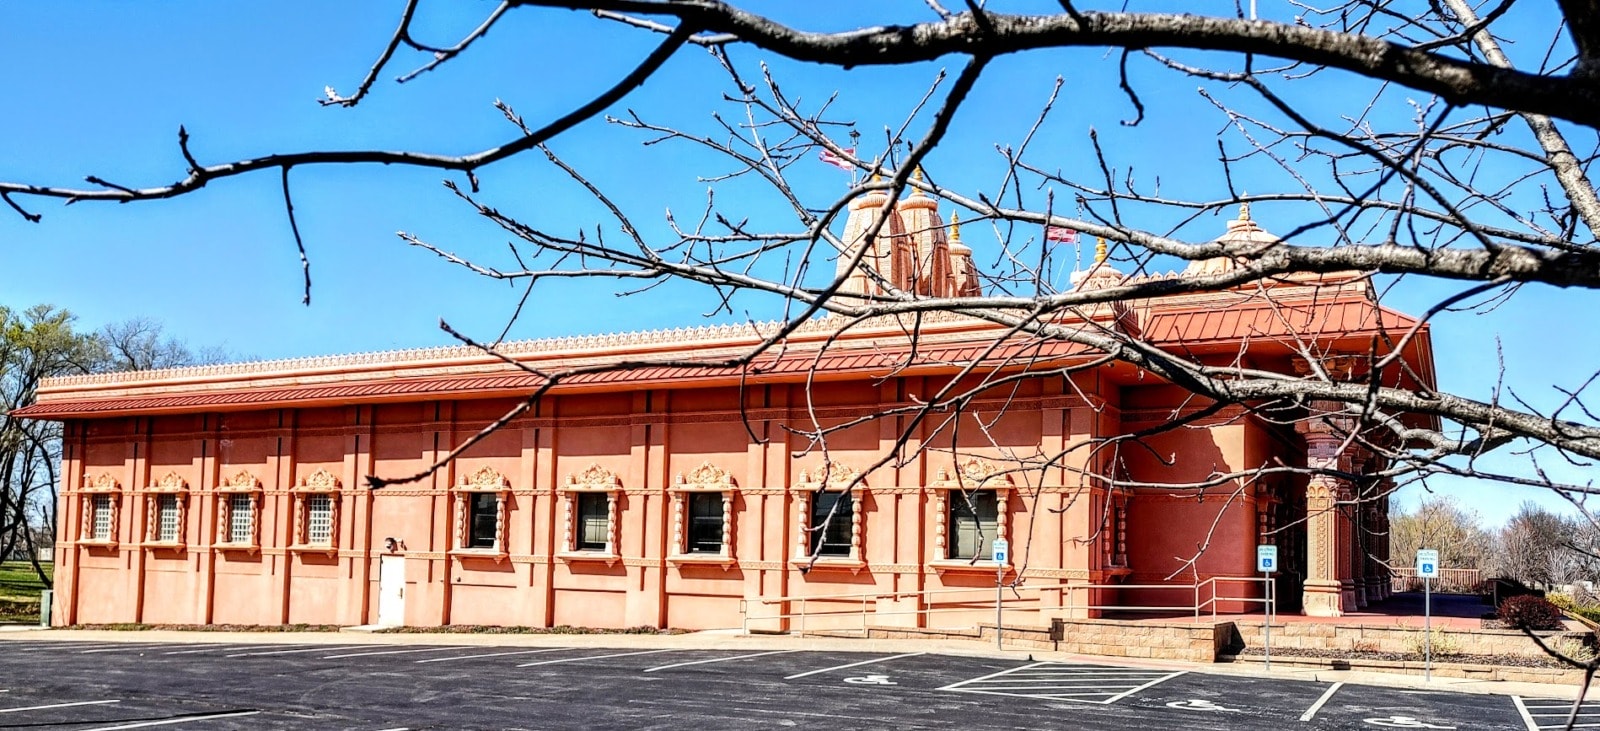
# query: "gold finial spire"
{"type": "Point", "coordinates": [1244, 211]}
{"type": "Point", "coordinates": [955, 227]}
{"type": "Point", "coordinates": [916, 175]}
{"type": "Point", "coordinates": [1099, 249]}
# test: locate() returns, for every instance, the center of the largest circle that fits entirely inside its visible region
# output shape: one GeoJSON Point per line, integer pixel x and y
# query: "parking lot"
{"type": "Point", "coordinates": [100, 686]}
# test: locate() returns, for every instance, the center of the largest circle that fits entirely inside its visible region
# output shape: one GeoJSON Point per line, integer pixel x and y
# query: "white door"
{"type": "Point", "coordinates": [391, 591]}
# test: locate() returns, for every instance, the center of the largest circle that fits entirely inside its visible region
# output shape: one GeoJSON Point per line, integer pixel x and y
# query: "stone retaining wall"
{"type": "Point", "coordinates": [1376, 638]}
{"type": "Point", "coordinates": [1191, 641]}
{"type": "Point", "coordinates": [1415, 667]}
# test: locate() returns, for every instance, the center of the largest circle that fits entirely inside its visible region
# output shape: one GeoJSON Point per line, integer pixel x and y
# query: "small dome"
{"type": "Point", "coordinates": [1241, 231]}
{"type": "Point", "coordinates": [1100, 274]}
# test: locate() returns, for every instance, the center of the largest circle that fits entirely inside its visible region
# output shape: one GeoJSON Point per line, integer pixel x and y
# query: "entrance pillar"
{"type": "Point", "coordinates": [1331, 548]}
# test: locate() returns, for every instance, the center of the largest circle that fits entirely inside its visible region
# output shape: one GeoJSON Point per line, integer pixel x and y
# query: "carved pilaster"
{"type": "Point", "coordinates": [1330, 588]}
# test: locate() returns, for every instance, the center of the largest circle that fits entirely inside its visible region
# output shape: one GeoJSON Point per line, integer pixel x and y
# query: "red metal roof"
{"type": "Point", "coordinates": [786, 365]}
{"type": "Point", "coordinates": [1253, 321]}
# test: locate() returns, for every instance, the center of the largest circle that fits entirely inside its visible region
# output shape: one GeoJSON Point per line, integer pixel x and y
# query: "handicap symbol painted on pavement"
{"type": "Point", "coordinates": [1403, 722]}
{"type": "Point", "coordinates": [871, 680]}
{"type": "Point", "coordinates": [1199, 705]}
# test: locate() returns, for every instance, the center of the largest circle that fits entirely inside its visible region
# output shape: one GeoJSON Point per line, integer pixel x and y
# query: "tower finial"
{"type": "Point", "coordinates": [916, 175]}
{"type": "Point", "coordinates": [1244, 211]}
{"type": "Point", "coordinates": [1099, 249]}
{"type": "Point", "coordinates": [955, 227]}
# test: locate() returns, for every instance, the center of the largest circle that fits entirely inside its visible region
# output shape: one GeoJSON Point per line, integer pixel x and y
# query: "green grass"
{"type": "Point", "coordinates": [19, 591]}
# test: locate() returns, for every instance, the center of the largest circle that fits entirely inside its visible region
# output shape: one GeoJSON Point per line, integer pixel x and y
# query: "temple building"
{"type": "Point", "coordinates": [696, 498]}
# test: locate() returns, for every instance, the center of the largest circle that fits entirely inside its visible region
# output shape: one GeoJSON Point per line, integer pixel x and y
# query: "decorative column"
{"type": "Point", "coordinates": [1330, 586]}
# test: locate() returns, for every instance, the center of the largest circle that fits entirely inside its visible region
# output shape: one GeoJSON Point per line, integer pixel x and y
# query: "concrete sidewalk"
{"type": "Point", "coordinates": [733, 640]}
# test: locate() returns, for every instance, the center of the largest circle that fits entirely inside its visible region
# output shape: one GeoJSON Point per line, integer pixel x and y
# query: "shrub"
{"type": "Point", "coordinates": [1439, 642]}
{"type": "Point", "coordinates": [1573, 647]}
{"type": "Point", "coordinates": [1531, 613]}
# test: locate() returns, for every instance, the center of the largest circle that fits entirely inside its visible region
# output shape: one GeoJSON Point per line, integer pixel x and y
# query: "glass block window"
{"type": "Point", "coordinates": [241, 519]}
{"type": "Point", "coordinates": [102, 517]}
{"type": "Point", "coordinates": [167, 518]}
{"type": "Point", "coordinates": [319, 520]}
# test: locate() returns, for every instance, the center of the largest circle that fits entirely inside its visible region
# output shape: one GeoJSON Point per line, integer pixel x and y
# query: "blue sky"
{"type": "Point", "coordinates": [101, 88]}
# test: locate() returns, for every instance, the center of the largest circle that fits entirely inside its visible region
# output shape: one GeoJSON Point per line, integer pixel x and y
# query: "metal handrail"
{"type": "Point", "coordinates": [868, 601]}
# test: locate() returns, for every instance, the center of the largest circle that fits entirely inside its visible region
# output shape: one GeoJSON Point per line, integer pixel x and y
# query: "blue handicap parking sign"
{"type": "Point", "coordinates": [1266, 563]}
{"type": "Point", "coordinates": [1427, 568]}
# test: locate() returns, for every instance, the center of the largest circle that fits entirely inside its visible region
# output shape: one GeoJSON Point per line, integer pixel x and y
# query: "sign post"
{"type": "Point", "coordinates": [1428, 569]}
{"type": "Point", "coordinates": [1267, 563]}
{"type": "Point", "coordinates": [1002, 554]}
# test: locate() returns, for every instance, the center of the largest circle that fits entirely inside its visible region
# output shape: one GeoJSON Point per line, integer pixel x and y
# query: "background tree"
{"type": "Point", "coordinates": [35, 344]}
{"type": "Point", "coordinates": [1539, 547]}
{"type": "Point", "coordinates": [1439, 522]}
{"type": "Point", "coordinates": [44, 342]}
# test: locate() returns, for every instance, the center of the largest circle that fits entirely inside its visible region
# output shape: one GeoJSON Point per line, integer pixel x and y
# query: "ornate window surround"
{"type": "Point", "coordinates": [243, 483]}
{"type": "Point", "coordinates": [101, 485]}
{"type": "Point", "coordinates": [829, 477]}
{"type": "Point", "coordinates": [593, 479]}
{"type": "Point", "coordinates": [171, 484]}
{"type": "Point", "coordinates": [485, 480]}
{"type": "Point", "coordinates": [707, 478]}
{"type": "Point", "coordinates": [971, 474]}
{"type": "Point", "coordinates": [321, 482]}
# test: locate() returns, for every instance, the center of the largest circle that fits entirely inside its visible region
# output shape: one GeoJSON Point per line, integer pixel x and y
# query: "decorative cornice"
{"type": "Point", "coordinates": [970, 473]}
{"type": "Point", "coordinates": [241, 480]}
{"type": "Point", "coordinates": [593, 477]}
{"type": "Point", "coordinates": [102, 482]}
{"type": "Point", "coordinates": [707, 476]}
{"type": "Point", "coordinates": [170, 482]}
{"type": "Point", "coordinates": [486, 479]}
{"type": "Point", "coordinates": [320, 481]}
{"type": "Point", "coordinates": [833, 475]}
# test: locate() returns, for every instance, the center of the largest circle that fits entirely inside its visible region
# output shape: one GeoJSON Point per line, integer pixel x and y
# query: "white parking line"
{"type": "Point", "coordinates": [1118, 697]}
{"type": "Point", "coordinates": [171, 721]}
{"type": "Point", "coordinates": [387, 652]}
{"type": "Point", "coordinates": [56, 705]}
{"type": "Point", "coordinates": [210, 648]}
{"type": "Point", "coordinates": [491, 654]}
{"type": "Point", "coordinates": [717, 659]}
{"type": "Point", "coordinates": [853, 665]}
{"type": "Point", "coordinates": [1063, 681]}
{"type": "Point", "coordinates": [318, 648]}
{"type": "Point", "coordinates": [1312, 711]}
{"type": "Point", "coordinates": [1551, 713]}
{"type": "Point", "coordinates": [124, 647]}
{"type": "Point", "coordinates": [594, 657]}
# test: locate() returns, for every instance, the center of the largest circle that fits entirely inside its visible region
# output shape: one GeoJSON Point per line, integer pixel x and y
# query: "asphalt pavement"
{"type": "Point", "coordinates": [352, 682]}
